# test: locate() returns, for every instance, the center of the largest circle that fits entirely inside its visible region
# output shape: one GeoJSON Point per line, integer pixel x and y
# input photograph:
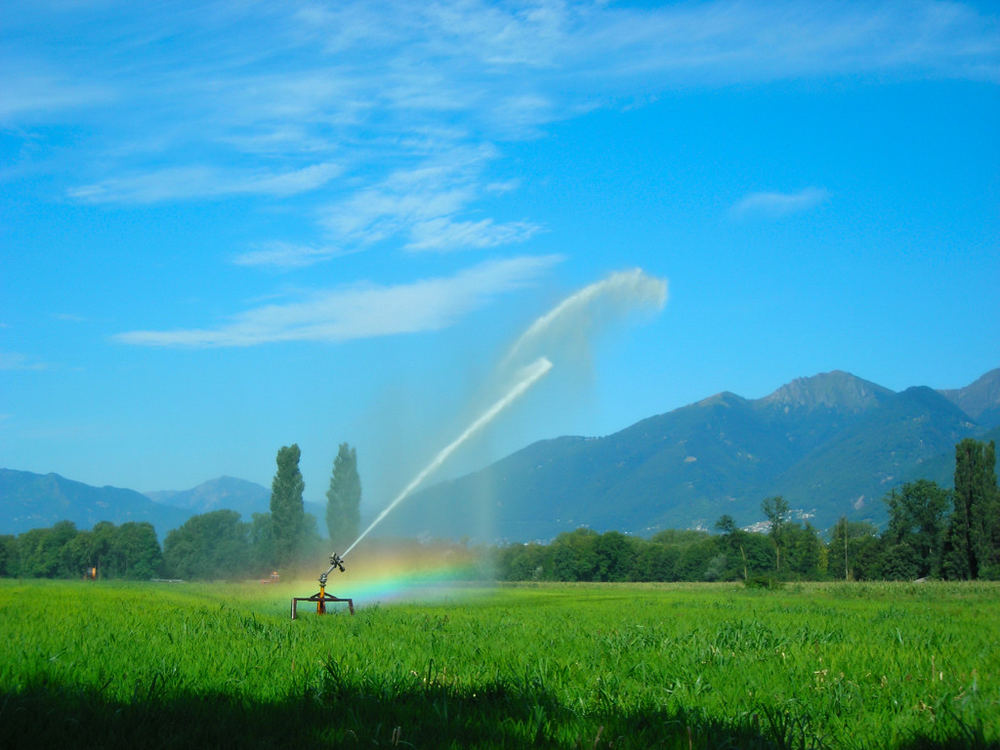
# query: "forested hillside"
{"type": "Point", "coordinates": [832, 445]}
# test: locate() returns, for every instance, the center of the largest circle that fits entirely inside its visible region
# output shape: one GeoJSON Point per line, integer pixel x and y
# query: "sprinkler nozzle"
{"type": "Point", "coordinates": [336, 561]}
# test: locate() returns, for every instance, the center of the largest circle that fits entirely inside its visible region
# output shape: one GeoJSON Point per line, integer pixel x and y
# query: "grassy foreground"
{"type": "Point", "coordinates": [562, 666]}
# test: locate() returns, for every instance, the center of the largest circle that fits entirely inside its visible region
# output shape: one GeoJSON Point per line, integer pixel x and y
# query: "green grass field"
{"type": "Point", "coordinates": [563, 666]}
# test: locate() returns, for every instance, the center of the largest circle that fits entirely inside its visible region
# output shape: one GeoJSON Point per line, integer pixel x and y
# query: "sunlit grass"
{"type": "Point", "coordinates": [585, 665]}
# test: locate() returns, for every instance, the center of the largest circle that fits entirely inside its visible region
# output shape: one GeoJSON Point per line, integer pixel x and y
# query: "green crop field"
{"type": "Point", "coordinates": [564, 666]}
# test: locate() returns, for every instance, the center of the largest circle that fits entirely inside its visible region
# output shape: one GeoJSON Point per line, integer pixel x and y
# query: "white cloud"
{"type": "Point", "coordinates": [286, 255]}
{"type": "Point", "coordinates": [178, 183]}
{"type": "Point", "coordinates": [18, 361]}
{"type": "Point", "coordinates": [776, 205]}
{"type": "Point", "coordinates": [442, 233]}
{"type": "Point", "coordinates": [361, 311]}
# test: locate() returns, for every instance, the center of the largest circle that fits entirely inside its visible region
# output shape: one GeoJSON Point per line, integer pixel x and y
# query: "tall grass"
{"type": "Point", "coordinates": [614, 665]}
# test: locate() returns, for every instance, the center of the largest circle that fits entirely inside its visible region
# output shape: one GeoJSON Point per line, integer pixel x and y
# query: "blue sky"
{"type": "Point", "coordinates": [226, 227]}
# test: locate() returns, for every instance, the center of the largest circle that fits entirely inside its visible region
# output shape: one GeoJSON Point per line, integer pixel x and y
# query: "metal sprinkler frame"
{"type": "Point", "coordinates": [321, 598]}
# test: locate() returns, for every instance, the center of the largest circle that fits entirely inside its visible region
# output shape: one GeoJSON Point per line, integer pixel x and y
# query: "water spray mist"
{"type": "Point", "coordinates": [616, 295]}
{"type": "Point", "coordinates": [529, 376]}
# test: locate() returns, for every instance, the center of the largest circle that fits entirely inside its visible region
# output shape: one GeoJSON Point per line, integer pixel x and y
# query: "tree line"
{"type": "Point", "coordinates": [931, 532]}
{"type": "Point", "coordinates": [670, 555]}
{"type": "Point", "coordinates": [216, 545]}
{"type": "Point", "coordinates": [220, 545]}
{"type": "Point", "coordinates": [62, 551]}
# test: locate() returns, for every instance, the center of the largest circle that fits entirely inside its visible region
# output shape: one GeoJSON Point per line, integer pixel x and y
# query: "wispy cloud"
{"type": "Point", "coordinates": [442, 233]}
{"type": "Point", "coordinates": [29, 97]}
{"type": "Point", "coordinates": [18, 361]}
{"type": "Point", "coordinates": [776, 205]}
{"type": "Point", "coordinates": [361, 311]}
{"type": "Point", "coordinates": [377, 86]}
{"type": "Point", "coordinates": [284, 255]}
{"type": "Point", "coordinates": [175, 183]}
{"type": "Point", "coordinates": [425, 205]}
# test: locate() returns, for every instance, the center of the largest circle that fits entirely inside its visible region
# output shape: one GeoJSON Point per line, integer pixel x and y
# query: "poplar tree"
{"type": "Point", "coordinates": [343, 499]}
{"type": "Point", "coordinates": [287, 510]}
{"type": "Point", "coordinates": [972, 545]}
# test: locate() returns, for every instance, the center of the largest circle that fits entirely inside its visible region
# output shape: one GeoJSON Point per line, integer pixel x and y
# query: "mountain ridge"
{"type": "Point", "coordinates": [980, 399]}
{"type": "Point", "coordinates": [32, 500]}
{"type": "Point", "coordinates": [29, 501]}
{"type": "Point", "coordinates": [834, 389]}
{"type": "Point", "coordinates": [833, 444]}
{"type": "Point", "coordinates": [231, 493]}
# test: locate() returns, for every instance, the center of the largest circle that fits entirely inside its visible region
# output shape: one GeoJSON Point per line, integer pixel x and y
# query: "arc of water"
{"type": "Point", "coordinates": [628, 289]}
{"type": "Point", "coordinates": [531, 375]}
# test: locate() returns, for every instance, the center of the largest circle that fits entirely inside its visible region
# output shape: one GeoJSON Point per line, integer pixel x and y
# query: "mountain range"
{"type": "Point", "coordinates": [230, 493]}
{"type": "Point", "coordinates": [832, 444]}
{"type": "Point", "coordinates": [30, 501]}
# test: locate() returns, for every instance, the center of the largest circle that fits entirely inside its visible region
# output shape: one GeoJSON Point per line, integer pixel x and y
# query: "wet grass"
{"type": "Point", "coordinates": [562, 666]}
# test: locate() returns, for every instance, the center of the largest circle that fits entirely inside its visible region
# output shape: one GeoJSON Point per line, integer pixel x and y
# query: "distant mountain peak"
{"type": "Point", "coordinates": [979, 399]}
{"type": "Point", "coordinates": [222, 492]}
{"type": "Point", "coordinates": [29, 500]}
{"type": "Point", "coordinates": [725, 398]}
{"type": "Point", "coordinates": [830, 390]}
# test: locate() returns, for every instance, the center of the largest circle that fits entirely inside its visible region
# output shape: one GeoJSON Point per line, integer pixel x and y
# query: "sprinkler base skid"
{"type": "Point", "coordinates": [321, 600]}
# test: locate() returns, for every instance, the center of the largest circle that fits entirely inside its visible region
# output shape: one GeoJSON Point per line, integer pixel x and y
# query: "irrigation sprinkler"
{"type": "Point", "coordinates": [321, 598]}
{"type": "Point", "coordinates": [528, 376]}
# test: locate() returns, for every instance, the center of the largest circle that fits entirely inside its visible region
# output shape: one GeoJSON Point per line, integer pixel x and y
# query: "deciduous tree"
{"type": "Point", "coordinates": [776, 509]}
{"type": "Point", "coordinates": [917, 520]}
{"type": "Point", "coordinates": [8, 555]}
{"type": "Point", "coordinates": [210, 545]}
{"type": "Point", "coordinates": [851, 541]}
{"type": "Point", "coordinates": [733, 538]}
{"type": "Point", "coordinates": [804, 552]}
{"type": "Point", "coordinates": [135, 550]}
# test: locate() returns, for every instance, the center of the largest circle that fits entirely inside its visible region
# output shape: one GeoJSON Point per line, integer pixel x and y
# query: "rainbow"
{"type": "Point", "coordinates": [405, 571]}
